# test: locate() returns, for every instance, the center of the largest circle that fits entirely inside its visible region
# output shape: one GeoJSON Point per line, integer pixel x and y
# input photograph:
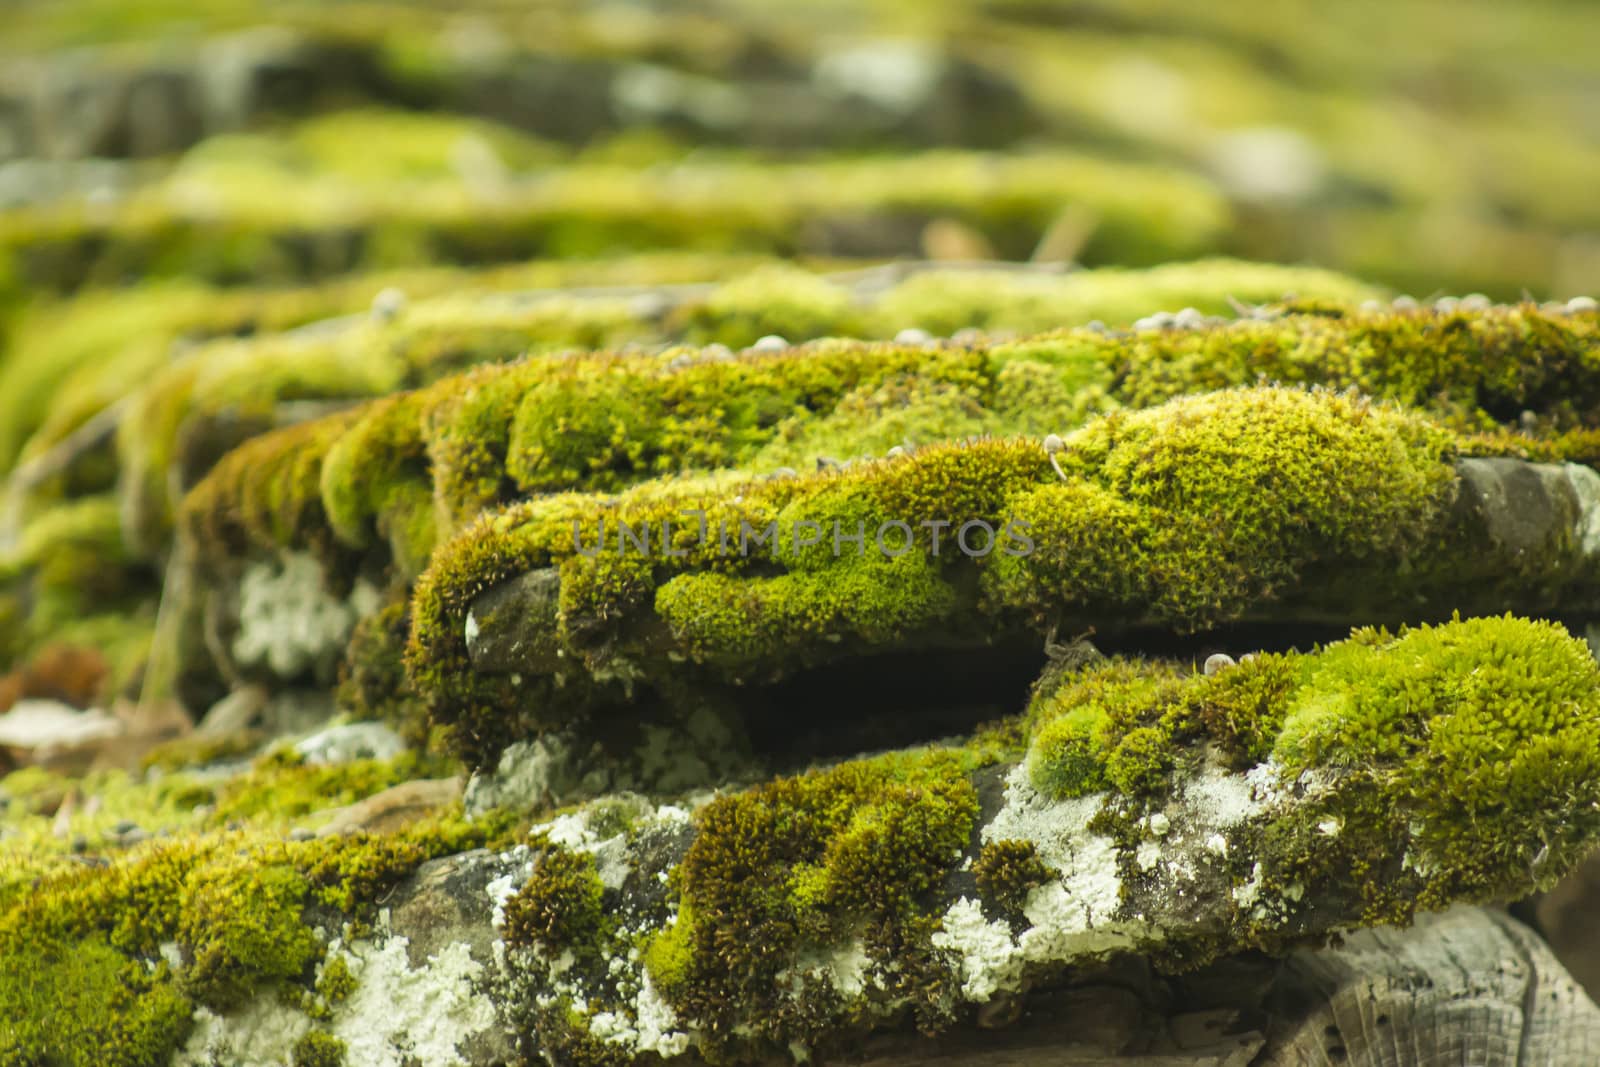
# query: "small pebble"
{"type": "Point", "coordinates": [1189, 319]}
{"type": "Point", "coordinates": [1217, 661]}
{"type": "Point", "coordinates": [717, 353]}
{"type": "Point", "coordinates": [1161, 320]}
{"type": "Point", "coordinates": [1580, 304]}
{"type": "Point", "coordinates": [828, 463]}
{"type": "Point", "coordinates": [133, 837]}
{"type": "Point", "coordinates": [80, 844]}
{"type": "Point", "coordinates": [126, 826]}
{"type": "Point", "coordinates": [770, 343]}
{"type": "Point", "coordinates": [1371, 307]}
{"type": "Point", "coordinates": [679, 363]}
{"type": "Point", "coordinates": [1404, 303]}
{"type": "Point", "coordinates": [1445, 305]}
{"type": "Point", "coordinates": [300, 833]}
{"type": "Point", "coordinates": [1529, 420]}
{"type": "Point", "coordinates": [896, 452]}
{"type": "Point", "coordinates": [1095, 326]}
{"type": "Point", "coordinates": [1476, 302]}
{"type": "Point", "coordinates": [967, 336]}
{"type": "Point", "coordinates": [388, 304]}
{"type": "Point", "coordinates": [1248, 657]}
{"type": "Point", "coordinates": [785, 472]}
{"type": "Point", "coordinates": [1160, 824]}
{"type": "Point", "coordinates": [913, 336]}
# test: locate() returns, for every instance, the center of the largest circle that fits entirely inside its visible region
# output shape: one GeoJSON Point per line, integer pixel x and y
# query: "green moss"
{"type": "Point", "coordinates": [558, 907]}
{"type": "Point", "coordinates": [785, 302]}
{"type": "Point", "coordinates": [282, 787]}
{"type": "Point", "coordinates": [73, 563]}
{"type": "Point", "coordinates": [335, 983]}
{"type": "Point", "coordinates": [1222, 499]}
{"type": "Point", "coordinates": [880, 833]}
{"type": "Point", "coordinates": [96, 987]}
{"type": "Point", "coordinates": [669, 954]}
{"type": "Point", "coordinates": [318, 1049]}
{"type": "Point", "coordinates": [242, 927]}
{"type": "Point", "coordinates": [274, 217]}
{"type": "Point", "coordinates": [372, 676]}
{"type": "Point", "coordinates": [1077, 728]}
{"type": "Point", "coordinates": [947, 301]}
{"type": "Point", "coordinates": [1006, 871]}
{"type": "Point", "coordinates": [1141, 762]}
{"type": "Point", "coordinates": [198, 750]}
{"type": "Point", "coordinates": [1451, 762]}
{"type": "Point", "coordinates": [80, 1002]}
{"type": "Point", "coordinates": [1474, 721]}
{"type": "Point", "coordinates": [1244, 705]}
{"type": "Point", "coordinates": [1477, 369]}
{"type": "Point", "coordinates": [1188, 514]}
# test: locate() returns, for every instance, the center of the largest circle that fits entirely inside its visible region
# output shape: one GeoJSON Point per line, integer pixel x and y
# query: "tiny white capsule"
{"type": "Point", "coordinates": [388, 303]}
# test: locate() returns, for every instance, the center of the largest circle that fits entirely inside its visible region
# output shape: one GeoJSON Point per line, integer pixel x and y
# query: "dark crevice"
{"type": "Point", "coordinates": [1234, 640]}
{"type": "Point", "coordinates": [889, 701]}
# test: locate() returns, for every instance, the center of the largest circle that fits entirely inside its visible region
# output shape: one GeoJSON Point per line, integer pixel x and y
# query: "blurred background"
{"type": "Point", "coordinates": [1432, 146]}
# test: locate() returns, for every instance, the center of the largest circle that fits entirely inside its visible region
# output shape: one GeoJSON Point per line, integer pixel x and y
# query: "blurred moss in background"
{"type": "Point", "coordinates": [1428, 145]}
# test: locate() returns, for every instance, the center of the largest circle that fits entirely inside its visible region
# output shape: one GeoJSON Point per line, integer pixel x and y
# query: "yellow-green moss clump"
{"type": "Point", "coordinates": [231, 387]}
{"type": "Point", "coordinates": [1187, 515]}
{"type": "Point", "coordinates": [318, 1049]}
{"type": "Point", "coordinates": [87, 982]}
{"type": "Point", "coordinates": [411, 468]}
{"type": "Point", "coordinates": [1447, 762]}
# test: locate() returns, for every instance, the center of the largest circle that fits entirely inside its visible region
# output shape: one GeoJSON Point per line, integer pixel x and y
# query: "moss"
{"type": "Point", "coordinates": [1077, 728]}
{"type": "Point", "coordinates": [944, 302]}
{"type": "Point", "coordinates": [1007, 871]}
{"type": "Point", "coordinates": [199, 750]}
{"type": "Point", "coordinates": [559, 907]}
{"type": "Point", "coordinates": [242, 927]}
{"type": "Point", "coordinates": [80, 1002]}
{"type": "Point", "coordinates": [281, 786]}
{"type": "Point", "coordinates": [1243, 706]}
{"type": "Point", "coordinates": [1477, 369]}
{"type": "Point", "coordinates": [1188, 514]}
{"type": "Point", "coordinates": [880, 834]}
{"type": "Point", "coordinates": [318, 1049]}
{"type": "Point", "coordinates": [335, 983]}
{"type": "Point", "coordinates": [372, 676]}
{"type": "Point", "coordinates": [1448, 762]}
{"type": "Point", "coordinates": [1141, 763]}
{"type": "Point", "coordinates": [274, 218]}
{"type": "Point", "coordinates": [669, 954]}
{"type": "Point", "coordinates": [1439, 708]}
{"type": "Point", "coordinates": [1265, 481]}
{"type": "Point", "coordinates": [73, 563]}
{"type": "Point", "coordinates": [97, 988]}
{"type": "Point", "coordinates": [784, 302]}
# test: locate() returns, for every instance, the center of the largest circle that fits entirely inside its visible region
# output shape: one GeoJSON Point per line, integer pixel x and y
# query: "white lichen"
{"type": "Point", "coordinates": [398, 1014]}
{"type": "Point", "coordinates": [289, 622]}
